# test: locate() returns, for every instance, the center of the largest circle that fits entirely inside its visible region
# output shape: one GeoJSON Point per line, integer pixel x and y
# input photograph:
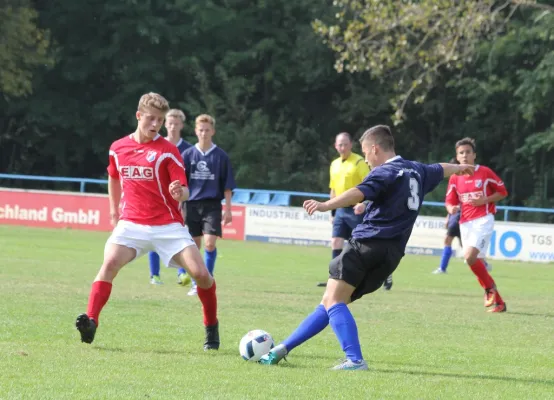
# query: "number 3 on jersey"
{"type": "Point", "coordinates": [413, 200]}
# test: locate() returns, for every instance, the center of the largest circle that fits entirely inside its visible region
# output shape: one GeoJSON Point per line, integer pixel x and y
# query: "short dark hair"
{"type": "Point", "coordinates": [381, 135]}
{"type": "Point", "coordinates": [348, 136]}
{"type": "Point", "coordinates": [467, 141]}
{"type": "Point", "coordinates": [453, 160]}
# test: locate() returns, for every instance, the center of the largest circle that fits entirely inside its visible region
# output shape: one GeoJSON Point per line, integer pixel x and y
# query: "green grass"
{"type": "Point", "coordinates": [429, 338]}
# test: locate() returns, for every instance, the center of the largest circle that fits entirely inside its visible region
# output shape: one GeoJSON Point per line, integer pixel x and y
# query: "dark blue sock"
{"type": "Point", "coordinates": [154, 260]}
{"type": "Point", "coordinates": [311, 326]}
{"type": "Point", "coordinates": [209, 259]}
{"type": "Point", "coordinates": [446, 254]}
{"type": "Point", "coordinates": [181, 271]}
{"type": "Point", "coordinates": [336, 253]}
{"type": "Point", "coordinates": [344, 326]}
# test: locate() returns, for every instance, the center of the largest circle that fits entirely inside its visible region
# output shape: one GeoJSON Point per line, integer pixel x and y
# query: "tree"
{"type": "Point", "coordinates": [411, 41]}
{"type": "Point", "coordinates": [23, 47]}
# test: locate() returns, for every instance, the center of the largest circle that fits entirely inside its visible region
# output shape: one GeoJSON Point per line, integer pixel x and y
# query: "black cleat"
{"type": "Point", "coordinates": [322, 284]}
{"type": "Point", "coordinates": [212, 337]}
{"type": "Point", "coordinates": [86, 327]}
{"type": "Point", "coordinates": [388, 283]}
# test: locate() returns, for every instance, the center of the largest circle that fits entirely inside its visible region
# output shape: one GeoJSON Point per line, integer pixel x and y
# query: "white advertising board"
{"type": "Point", "coordinates": [292, 225]}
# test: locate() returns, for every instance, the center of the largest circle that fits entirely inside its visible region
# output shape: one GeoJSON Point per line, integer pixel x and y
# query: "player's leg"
{"type": "Point", "coordinates": [154, 263]}
{"type": "Point", "coordinates": [122, 247]}
{"type": "Point", "coordinates": [211, 227]}
{"type": "Point", "coordinates": [191, 259]}
{"type": "Point", "coordinates": [182, 278]}
{"type": "Point", "coordinates": [446, 254]}
{"type": "Point", "coordinates": [341, 232]}
{"type": "Point", "coordinates": [194, 225]}
{"type": "Point", "coordinates": [476, 236]}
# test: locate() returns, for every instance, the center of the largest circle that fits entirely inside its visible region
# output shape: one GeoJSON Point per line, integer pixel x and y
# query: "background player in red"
{"type": "Point", "coordinates": [477, 195]}
{"type": "Point", "coordinates": [146, 184]}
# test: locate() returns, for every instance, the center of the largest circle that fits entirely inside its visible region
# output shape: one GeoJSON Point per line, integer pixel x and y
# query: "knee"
{"type": "Point", "coordinates": [448, 241]}
{"type": "Point", "coordinates": [209, 245]}
{"type": "Point", "coordinates": [203, 279]}
{"type": "Point", "coordinates": [470, 259]}
{"type": "Point", "coordinates": [337, 243]}
{"type": "Point", "coordinates": [109, 270]}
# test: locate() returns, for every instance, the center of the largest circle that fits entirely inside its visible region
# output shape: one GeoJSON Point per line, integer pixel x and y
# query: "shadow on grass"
{"type": "Point", "coordinates": [530, 314]}
{"type": "Point", "coordinates": [464, 376]}
{"type": "Point", "coordinates": [225, 352]}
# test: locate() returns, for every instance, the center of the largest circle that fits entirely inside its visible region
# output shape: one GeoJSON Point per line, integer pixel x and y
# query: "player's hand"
{"type": "Point", "coordinates": [114, 217]}
{"type": "Point", "coordinates": [478, 202]}
{"type": "Point", "coordinates": [311, 206]}
{"type": "Point", "coordinates": [454, 209]}
{"type": "Point", "coordinates": [465, 169]}
{"type": "Point", "coordinates": [227, 217]}
{"type": "Point", "coordinates": [176, 190]}
{"type": "Point", "coordinates": [360, 208]}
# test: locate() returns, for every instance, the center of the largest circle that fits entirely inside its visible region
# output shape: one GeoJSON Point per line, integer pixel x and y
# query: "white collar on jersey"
{"type": "Point", "coordinates": [476, 167]}
{"type": "Point", "coordinates": [392, 159]}
{"type": "Point", "coordinates": [197, 146]}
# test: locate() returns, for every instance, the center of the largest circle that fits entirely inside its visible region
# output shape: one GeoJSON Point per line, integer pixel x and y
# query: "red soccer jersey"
{"type": "Point", "coordinates": [462, 189]}
{"type": "Point", "coordinates": [145, 172]}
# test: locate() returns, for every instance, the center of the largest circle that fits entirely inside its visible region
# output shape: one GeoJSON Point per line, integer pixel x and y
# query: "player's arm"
{"type": "Point", "coordinates": [458, 169]}
{"type": "Point", "coordinates": [114, 187]}
{"type": "Point", "coordinates": [228, 185]}
{"type": "Point", "coordinates": [452, 201]}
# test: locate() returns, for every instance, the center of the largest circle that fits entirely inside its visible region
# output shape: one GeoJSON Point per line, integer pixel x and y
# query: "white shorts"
{"type": "Point", "coordinates": [166, 240]}
{"type": "Point", "coordinates": [477, 233]}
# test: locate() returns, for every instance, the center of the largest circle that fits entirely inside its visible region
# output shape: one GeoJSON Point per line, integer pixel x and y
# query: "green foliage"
{"type": "Point", "coordinates": [23, 48]}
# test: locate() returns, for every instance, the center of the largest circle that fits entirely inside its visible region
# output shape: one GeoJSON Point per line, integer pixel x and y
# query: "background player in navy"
{"type": "Point", "coordinates": [395, 188]}
{"type": "Point", "coordinates": [174, 123]}
{"type": "Point", "coordinates": [211, 180]}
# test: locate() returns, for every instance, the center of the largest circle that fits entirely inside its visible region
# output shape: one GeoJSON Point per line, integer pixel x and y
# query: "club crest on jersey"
{"type": "Point", "coordinates": [478, 183]}
{"type": "Point", "coordinates": [151, 156]}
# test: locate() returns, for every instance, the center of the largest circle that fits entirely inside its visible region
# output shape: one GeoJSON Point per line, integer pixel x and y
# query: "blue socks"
{"type": "Point", "coordinates": [311, 326]}
{"type": "Point", "coordinates": [209, 260]}
{"type": "Point", "coordinates": [154, 261]}
{"type": "Point", "coordinates": [446, 254]}
{"type": "Point", "coordinates": [344, 326]}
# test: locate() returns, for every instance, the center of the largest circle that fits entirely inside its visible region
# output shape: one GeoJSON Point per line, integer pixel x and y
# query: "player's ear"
{"type": "Point", "coordinates": [138, 115]}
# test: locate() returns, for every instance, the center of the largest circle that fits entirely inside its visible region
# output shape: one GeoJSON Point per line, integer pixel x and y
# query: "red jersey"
{"type": "Point", "coordinates": [462, 189]}
{"type": "Point", "coordinates": [145, 171]}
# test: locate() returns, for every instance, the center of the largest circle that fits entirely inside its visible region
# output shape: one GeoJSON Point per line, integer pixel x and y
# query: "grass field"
{"type": "Point", "coordinates": [428, 338]}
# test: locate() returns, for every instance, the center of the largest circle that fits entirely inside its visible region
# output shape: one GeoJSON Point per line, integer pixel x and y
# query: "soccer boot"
{"type": "Point", "coordinates": [212, 337]}
{"type": "Point", "coordinates": [156, 280]}
{"type": "Point", "coordinates": [322, 284]}
{"type": "Point", "coordinates": [86, 327]}
{"type": "Point", "coordinates": [439, 271]}
{"type": "Point", "coordinates": [184, 279]}
{"type": "Point", "coordinates": [498, 308]}
{"type": "Point", "coordinates": [490, 297]}
{"type": "Point", "coordinates": [275, 355]}
{"type": "Point", "coordinates": [193, 290]}
{"type": "Point", "coordinates": [348, 365]}
{"type": "Point", "coordinates": [388, 283]}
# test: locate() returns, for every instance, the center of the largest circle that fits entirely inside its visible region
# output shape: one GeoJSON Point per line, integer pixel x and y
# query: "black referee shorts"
{"type": "Point", "coordinates": [204, 217]}
{"type": "Point", "coordinates": [365, 265]}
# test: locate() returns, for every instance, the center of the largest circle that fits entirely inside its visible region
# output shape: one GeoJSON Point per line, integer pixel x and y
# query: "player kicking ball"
{"type": "Point", "coordinates": [395, 188]}
{"type": "Point", "coordinates": [147, 176]}
{"type": "Point", "coordinates": [477, 195]}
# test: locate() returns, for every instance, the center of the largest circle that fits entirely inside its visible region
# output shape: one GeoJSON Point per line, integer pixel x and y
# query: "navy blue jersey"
{"type": "Point", "coordinates": [395, 190]}
{"type": "Point", "coordinates": [182, 145]}
{"type": "Point", "coordinates": [209, 174]}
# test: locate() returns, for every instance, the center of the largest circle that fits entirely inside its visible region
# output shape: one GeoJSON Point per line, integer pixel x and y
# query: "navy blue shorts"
{"type": "Point", "coordinates": [453, 230]}
{"type": "Point", "coordinates": [345, 221]}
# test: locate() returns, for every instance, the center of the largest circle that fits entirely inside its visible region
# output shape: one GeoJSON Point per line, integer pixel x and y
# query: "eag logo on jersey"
{"type": "Point", "coordinates": [151, 156]}
{"type": "Point", "coordinates": [137, 172]}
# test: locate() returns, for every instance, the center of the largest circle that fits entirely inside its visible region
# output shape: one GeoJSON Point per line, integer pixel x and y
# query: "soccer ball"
{"type": "Point", "coordinates": [255, 344]}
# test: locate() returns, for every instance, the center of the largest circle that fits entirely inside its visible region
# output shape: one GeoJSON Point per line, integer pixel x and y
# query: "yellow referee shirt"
{"type": "Point", "coordinates": [346, 174]}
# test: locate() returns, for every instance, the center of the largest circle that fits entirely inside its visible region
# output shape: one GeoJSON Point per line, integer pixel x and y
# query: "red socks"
{"type": "Point", "coordinates": [482, 274]}
{"type": "Point", "coordinates": [99, 295]}
{"type": "Point", "coordinates": [209, 304]}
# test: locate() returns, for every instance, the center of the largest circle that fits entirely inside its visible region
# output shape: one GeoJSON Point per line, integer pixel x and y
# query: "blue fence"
{"type": "Point", "coordinates": [254, 196]}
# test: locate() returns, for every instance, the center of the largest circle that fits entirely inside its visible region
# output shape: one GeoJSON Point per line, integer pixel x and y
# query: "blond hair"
{"type": "Point", "coordinates": [206, 119]}
{"type": "Point", "coordinates": [174, 112]}
{"type": "Point", "coordinates": [153, 100]}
